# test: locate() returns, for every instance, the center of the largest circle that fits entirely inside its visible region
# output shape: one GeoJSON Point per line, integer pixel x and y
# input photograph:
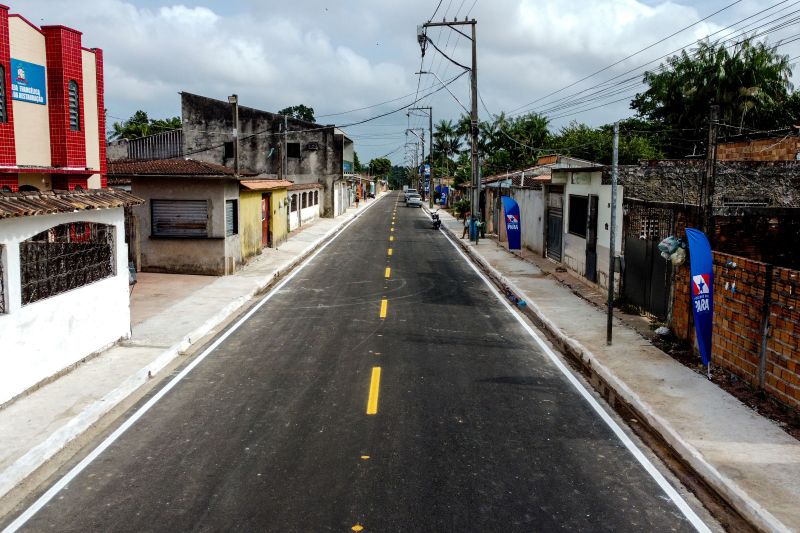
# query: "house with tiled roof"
{"type": "Point", "coordinates": [200, 217]}
{"type": "Point", "coordinates": [64, 285]}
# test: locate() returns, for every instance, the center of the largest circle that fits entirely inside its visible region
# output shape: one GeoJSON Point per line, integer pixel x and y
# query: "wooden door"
{"type": "Point", "coordinates": [265, 207]}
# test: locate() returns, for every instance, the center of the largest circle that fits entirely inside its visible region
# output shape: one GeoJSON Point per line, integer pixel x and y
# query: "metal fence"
{"type": "Point", "coordinates": [65, 257]}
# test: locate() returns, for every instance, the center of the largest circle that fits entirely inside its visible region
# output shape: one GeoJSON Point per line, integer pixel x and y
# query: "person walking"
{"type": "Point", "coordinates": [467, 217]}
{"type": "Point", "coordinates": [356, 201]}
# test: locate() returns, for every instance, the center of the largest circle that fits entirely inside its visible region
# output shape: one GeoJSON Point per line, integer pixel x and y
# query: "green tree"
{"type": "Point", "coordinates": [140, 125]}
{"type": "Point", "coordinates": [356, 163]}
{"type": "Point", "coordinates": [380, 166]}
{"type": "Point", "coordinates": [748, 81]}
{"type": "Point", "coordinates": [300, 112]}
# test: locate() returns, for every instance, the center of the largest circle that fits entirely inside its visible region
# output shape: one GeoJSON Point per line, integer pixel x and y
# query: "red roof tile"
{"type": "Point", "coordinates": [170, 167]}
{"type": "Point", "coordinates": [265, 185]}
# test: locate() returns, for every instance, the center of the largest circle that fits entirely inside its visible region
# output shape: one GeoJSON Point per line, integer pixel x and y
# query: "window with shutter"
{"type": "Point", "coordinates": [231, 218]}
{"type": "Point", "coordinates": [74, 106]}
{"type": "Point", "coordinates": [179, 218]}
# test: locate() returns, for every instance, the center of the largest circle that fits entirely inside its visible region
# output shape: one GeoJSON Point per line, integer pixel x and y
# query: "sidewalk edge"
{"type": "Point", "coordinates": [727, 489]}
{"type": "Point", "coordinates": [36, 457]}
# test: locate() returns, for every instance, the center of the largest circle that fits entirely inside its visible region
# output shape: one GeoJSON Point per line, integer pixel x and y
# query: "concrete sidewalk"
{"type": "Point", "coordinates": [746, 458]}
{"type": "Point", "coordinates": [169, 314]}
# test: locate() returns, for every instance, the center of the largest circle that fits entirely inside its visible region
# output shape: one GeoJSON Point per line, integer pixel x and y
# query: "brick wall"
{"type": "Point", "coordinates": [783, 341]}
{"type": "Point", "coordinates": [784, 148]}
{"type": "Point", "coordinates": [744, 291]}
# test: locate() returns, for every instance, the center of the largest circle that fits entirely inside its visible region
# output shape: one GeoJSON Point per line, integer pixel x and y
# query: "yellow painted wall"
{"type": "Point", "coordinates": [278, 223]}
{"type": "Point", "coordinates": [31, 121]}
{"type": "Point", "coordinates": [90, 125]}
{"type": "Point", "coordinates": [250, 223]}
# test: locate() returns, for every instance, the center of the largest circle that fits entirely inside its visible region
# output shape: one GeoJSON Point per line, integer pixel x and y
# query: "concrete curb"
{"type": "Point", "coordinates": [29, 463]}
{"type": "Point", "coordinates": [615, 389]}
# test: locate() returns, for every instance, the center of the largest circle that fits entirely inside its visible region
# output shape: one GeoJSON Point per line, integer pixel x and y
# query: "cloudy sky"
{"type": "Point", "coordinates": [339, 57]}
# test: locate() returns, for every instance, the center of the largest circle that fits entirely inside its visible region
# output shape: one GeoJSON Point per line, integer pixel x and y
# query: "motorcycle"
{"type": "Point", "coordinates": [437, 223]}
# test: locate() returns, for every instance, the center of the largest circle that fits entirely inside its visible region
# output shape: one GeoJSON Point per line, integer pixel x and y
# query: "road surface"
{"type": "Point", "coordinates": [288, 425]}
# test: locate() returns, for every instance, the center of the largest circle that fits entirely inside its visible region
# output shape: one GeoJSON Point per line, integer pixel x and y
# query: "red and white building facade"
{"type": "Point", "coordinates": [52, 120]}
{"type": "Point", "coordinates": [63, 256]}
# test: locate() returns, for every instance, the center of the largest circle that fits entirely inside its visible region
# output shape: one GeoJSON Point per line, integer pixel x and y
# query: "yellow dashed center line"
{"type": "Point", "coordinates": [389, 252]}
{"type": "Point", "coordinates": [391, 238]}
{"type": "Point", "coordinates": [388, 272]}
{"type": "Point", "coordinates": [374, 389]}
{"type": "Point", "coordinates": [384, 307]}
{"type": "Point", "coordinates": [391, 229]}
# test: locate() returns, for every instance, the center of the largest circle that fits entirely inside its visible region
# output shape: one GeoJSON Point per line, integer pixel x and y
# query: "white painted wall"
{"type": "Point", "coordinates": [40, 339]}
{"type": "Point", "coordinates": [531, 213]}
{"type": "Point", "coordinates": [575, 246]}
{"type": "Point", "coordinates": [311, 212]}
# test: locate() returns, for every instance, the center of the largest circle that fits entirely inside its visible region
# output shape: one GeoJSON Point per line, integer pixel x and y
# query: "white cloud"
{"type": "Point", "coordinates": [338, 56]}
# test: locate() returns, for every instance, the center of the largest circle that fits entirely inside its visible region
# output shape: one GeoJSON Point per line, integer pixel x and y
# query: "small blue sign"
{"type": "Point", "coordinates": [426, 170]}
{"type": "Point", "coordinates": [511, 210]}
{"type": "Point", "coordinates": [348, 167]}
{"type": "Point", "coordinates": [702, 285]}
{"type": "Point", "coordinates": [28, 82]}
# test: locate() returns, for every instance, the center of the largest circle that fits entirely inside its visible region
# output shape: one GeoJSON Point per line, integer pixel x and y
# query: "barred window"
{"type": "Point", "coordinates": [316, 197]}
{"type": "Point", "coordinates": [305, 200]}
{"type": "Point", "coordinates": [74, 106]}
{"type": "Point", "coordinates": [3, 109]}
{"type": "Point", "coordinates": [294, 203]}
{"type": "Point", "coordinates": [65, 257]}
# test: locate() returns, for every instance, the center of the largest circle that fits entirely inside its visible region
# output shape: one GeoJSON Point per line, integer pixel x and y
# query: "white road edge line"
{"type": "Point", "coordinates": [45, 498]}
{"type": "Point", "coordinates": [676, 498]}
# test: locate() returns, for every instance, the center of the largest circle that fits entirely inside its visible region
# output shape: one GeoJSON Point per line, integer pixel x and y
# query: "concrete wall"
{"type": "Point", "coordinates": [209, 122]}
{"type": "Point", "coordinates": [311, 212]}
{"type": "Point", "coordinates": [31, 121]}
{"type": "Point", "coordinates": [250, 223]}
{"type": "Point", "coordinates": [40, 339]}
{"type": "Point", "coordinates": [182, 255]}
{"type": "Point", "coordinates": [91, 125]}
{"type": "Point", "coordinates": [279, 220]}
{"type": "Point", "coordinates": [531, 212]}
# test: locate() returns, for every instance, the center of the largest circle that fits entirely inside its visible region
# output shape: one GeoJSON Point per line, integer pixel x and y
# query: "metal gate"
{"type": "Point", "coordinates": [647, 276]}
{"type": "Point", "coordinates": [555, 221]}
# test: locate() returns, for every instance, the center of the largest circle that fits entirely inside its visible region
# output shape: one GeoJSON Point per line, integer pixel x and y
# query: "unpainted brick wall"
{"type": "Point", "coordinates": [783, 342]}
{"type": "Point", "coordinates": [739, 309]}
{"type": "Point", "coordinates": [784, 148]}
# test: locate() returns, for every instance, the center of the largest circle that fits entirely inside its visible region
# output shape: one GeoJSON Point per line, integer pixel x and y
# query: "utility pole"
{"type": "Point", "coordinates": [285, 147]}
{"type": "Point", "coordinates": [430, 146]}
{"type": "Point", "coordinates": [612, 256]}
{"type": "Point", "coordinates": [234, 101]}
{"type": "Point", "coordinates": [423, 39]}
{"type": "Point", "coordinates": [707, 192]}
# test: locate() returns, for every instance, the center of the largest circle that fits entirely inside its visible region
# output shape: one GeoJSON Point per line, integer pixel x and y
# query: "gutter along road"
{"type": "Point", "coordinates": [382, 386]}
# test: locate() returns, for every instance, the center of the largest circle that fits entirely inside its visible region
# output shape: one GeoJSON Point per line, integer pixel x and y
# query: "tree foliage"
{"type": "Point", "coordinates": [300, 112]}
{"type": "Point", "coordinates": [140, 125]}
{"type": "Point", "coordinates": [749, 82]}
{"type": "Point", "coordinates": [380, 166]}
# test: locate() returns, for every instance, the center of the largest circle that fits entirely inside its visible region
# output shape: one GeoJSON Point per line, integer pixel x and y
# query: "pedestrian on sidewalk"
{"type": "Point", "coordinates": [356, 201]}
{"type": "Point", "coordinates": [467, 216]}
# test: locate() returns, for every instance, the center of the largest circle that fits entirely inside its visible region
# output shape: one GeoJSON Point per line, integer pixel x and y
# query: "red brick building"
{"type": "Point", "coordinates": [52, 120]}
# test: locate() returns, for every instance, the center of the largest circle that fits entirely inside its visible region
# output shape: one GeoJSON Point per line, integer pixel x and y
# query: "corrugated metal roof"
{"type": "Point", "coordinates": [265, 185]}
{"type": "Point", "coordinates": [26, 204]}
{"type": "Point", "coordinates": [178, 167]}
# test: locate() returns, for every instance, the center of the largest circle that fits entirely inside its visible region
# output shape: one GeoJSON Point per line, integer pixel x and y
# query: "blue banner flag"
{"type": "Point", "coordinates": [511, 210]}
{"type": "Point", "coordinates": [702, 285]}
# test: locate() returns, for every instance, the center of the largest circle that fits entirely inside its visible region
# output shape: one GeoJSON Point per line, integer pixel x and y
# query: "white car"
{"type": "Point", "coordinates": [409, 192]}
{"type": "Point", "coordinates": [413, 200]}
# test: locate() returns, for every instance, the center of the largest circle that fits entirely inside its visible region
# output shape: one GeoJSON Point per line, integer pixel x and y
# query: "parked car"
{"type": "Point", "coordinates": [413, 200]}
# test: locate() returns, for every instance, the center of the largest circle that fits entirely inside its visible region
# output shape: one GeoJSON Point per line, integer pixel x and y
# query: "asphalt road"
{"type": "Point", "coordinates": [474, 428]}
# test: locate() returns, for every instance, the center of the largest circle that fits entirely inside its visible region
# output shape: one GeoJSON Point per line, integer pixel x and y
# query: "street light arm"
{"type": "Point", "coordinates": [446, 87]}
